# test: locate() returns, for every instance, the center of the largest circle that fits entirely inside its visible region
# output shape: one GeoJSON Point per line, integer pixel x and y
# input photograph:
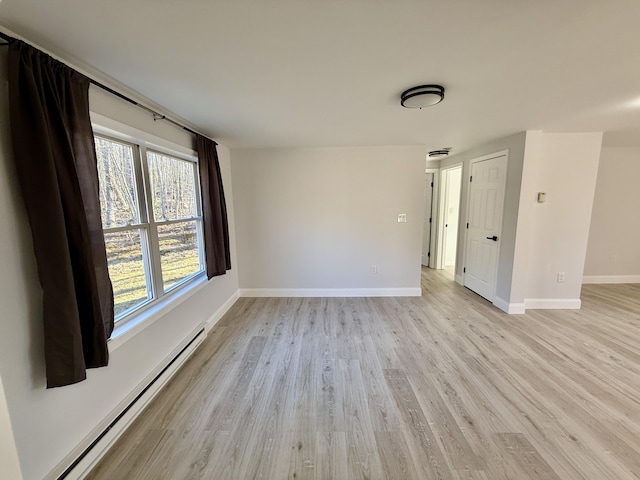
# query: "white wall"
{"type": "Point", "coordinates": [318, 218]}
{"type": "Point", "coordinates": [614, 237]}
{"type": "Point", "coordinates": [8, 452]}
{"type": "Point", "coordinates": [564, 165]}
{"type": "Point", "coordinates": [49, 424]}
{"type": "Point", "coordinates": [524, 226]}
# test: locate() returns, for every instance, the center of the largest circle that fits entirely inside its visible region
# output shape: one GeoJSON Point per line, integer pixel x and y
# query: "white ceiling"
{"type": "Point", "coordinates": [279, 73]}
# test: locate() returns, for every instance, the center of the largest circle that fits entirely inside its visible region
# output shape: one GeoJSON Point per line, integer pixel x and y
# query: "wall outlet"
{"type": "Point", "coordinates": [374, 269]}
{"type": "Point", "coordinates": [402, 218]}
{"type": "Point", "coordinates": [560, 277]}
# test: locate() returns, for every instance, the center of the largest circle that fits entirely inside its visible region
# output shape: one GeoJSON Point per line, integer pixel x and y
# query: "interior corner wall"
{"type": "Point", "coordinates": [525, 227]}
{"type": "Point", "coordinates": [515, 145]}
{"type": "Point", "coordinates": [319, 218]}
{"type": "Point", "coordinates": [564, 166]}
{"type": "Point", "coordinates": [49, 424]}
{"type": "Point", "coordinates": [8, 452]}
{"type": "Point", "coordinates": [614, 236]}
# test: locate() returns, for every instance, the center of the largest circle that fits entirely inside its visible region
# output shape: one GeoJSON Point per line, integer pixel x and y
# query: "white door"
{"type": "Point", "coordinates": [427, 222]}
{"type": "Point", "coordinates": [486, 200]}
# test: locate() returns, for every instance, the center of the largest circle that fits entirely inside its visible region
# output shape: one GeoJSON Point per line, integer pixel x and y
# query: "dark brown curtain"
{"type": "Point", "coordinates": [214, 209]}
{"type": "Point", "coordinates": [56, 164]}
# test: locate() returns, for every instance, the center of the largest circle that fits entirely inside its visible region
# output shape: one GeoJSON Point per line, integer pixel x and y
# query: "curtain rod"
{"type": "Point", "coordinates": [156, 116]}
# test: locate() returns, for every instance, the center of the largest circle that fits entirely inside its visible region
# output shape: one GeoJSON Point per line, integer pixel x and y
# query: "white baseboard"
{"type": "Point", "coordinates": [611, 279]}
{"type": "Point", "coordinates": [330, 292]}
{"type": "Point", "coordinates": [99, 449]}
{"type": "Point", "coordinates": [218, 314]}
{"type": "Point", "coordinates": [552, 303]}
{"type": "Point", "coordinates": [460, 279]}
{"type": "Point", "coordinates": [510, 308]}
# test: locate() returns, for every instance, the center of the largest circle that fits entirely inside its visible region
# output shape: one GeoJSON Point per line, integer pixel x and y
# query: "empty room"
{"type": "Point", "coordinates": [341, 240]}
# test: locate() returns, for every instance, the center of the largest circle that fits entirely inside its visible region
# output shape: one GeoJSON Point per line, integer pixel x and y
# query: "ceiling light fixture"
{"type": "Point", "coordinates": [422, 96]}
{"type": "Point", "coordinates": [439, 153]}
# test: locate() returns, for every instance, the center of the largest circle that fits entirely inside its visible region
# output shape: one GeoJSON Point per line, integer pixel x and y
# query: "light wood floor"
{"type": "Point", "coordinates": [443, 386]}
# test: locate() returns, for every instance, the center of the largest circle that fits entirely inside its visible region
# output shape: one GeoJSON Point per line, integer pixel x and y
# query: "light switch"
{"type": "Point", "coordinates": [402, 218]}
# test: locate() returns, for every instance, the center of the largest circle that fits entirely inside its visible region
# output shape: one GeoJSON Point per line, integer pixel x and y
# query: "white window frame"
{"type": "Point", "coordinates": [161, 300]}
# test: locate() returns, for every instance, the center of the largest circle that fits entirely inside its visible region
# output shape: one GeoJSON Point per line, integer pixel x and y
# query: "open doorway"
{"type": "Point", "coordinates": [428, 223]}
{"type": "Point", "coordinates": [448, 216]}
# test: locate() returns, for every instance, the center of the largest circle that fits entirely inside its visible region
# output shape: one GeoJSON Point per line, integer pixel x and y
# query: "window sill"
{"type": "Point", "coordinates": [122, 333]}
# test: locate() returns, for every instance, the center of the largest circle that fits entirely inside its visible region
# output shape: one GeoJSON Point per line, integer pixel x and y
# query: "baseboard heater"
{"type": "Point", "coordinates": [127, 408]}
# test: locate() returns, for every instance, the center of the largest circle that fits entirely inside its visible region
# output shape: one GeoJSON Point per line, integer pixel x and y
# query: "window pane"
{"type": "Point", "coordinates": [179, 254]}
{"type": "Point", "coordinates": [118, 199]}
{"type": "Point", "coordinates": [172, 186]}
{"type": "Point", "coordinates": [126, 269]}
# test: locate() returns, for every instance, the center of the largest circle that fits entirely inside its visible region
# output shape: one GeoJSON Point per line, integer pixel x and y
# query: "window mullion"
{"type": "Point", "coordinates": [124, 228]}
{"type": "Point", "coordinates": [152, 232]}
{"type": "Point", "coordinates": [179, 220]}
{"type": "Point", "coordinates": [147, 260]}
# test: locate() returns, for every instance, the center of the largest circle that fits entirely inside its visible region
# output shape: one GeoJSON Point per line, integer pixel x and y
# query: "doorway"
{"type": "Point", "coordinates": [449, 215]}
{"type": "Point", "coordinates": [484, 228]}
{"type": "Point", "coordinates": [427, 222]}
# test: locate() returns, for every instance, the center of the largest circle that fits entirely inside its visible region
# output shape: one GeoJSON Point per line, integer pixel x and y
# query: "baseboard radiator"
{"type": "Point", "coordinates": [180, 356]}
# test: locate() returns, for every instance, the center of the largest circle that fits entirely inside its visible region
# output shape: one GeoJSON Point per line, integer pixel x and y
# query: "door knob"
{"type": "Point", "coordinates": [494, 238]}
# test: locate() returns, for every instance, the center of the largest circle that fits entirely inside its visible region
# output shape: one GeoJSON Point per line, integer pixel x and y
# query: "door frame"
{"type": "Point", "coordinates": [465, 189]}
{"type": "Point", "coordinates": [442, 203]}
{"type": "Point", "coordinates": [434, 211]}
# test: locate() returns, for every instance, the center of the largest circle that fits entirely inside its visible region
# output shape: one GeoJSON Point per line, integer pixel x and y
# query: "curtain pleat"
{"type": "Point", "coordinates": [56, 165]}
{"type": "Point", "coordinates": [214, 209]}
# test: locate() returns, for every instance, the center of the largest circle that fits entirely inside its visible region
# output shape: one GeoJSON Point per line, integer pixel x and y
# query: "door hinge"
{"type": "Point", "coordinates": [429, 220]}
{"type": "Point", "coordinates": [464, 270]}
{"type": "Point", "coordinates": [467, 224]}
{"type": "Point", "coordinates": [471, 178]}
{"type": "Point", "coordinates": [428, 254]}
{"type": "Point", "coordinates": [431, 184]}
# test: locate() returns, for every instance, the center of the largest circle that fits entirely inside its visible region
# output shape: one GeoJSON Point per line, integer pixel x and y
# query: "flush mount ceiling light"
{"type": "Point", "coordinates": [439, 153]}
{"type": "Point", "coordinates": [422, 96]}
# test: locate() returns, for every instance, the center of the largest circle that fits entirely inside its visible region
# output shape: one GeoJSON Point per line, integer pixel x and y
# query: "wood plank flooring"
{"type": "Point", "coordinates": [442, 387]}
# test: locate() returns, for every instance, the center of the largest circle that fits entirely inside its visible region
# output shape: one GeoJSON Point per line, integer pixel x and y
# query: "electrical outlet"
{"type": "Point", "coordinates": [560, 277]}
{"type": "Point", "coordinates": [374, 269]}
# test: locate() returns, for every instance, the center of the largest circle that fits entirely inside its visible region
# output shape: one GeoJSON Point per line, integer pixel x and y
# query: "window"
{"type": "Point", "coordinates": [151, 215]}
